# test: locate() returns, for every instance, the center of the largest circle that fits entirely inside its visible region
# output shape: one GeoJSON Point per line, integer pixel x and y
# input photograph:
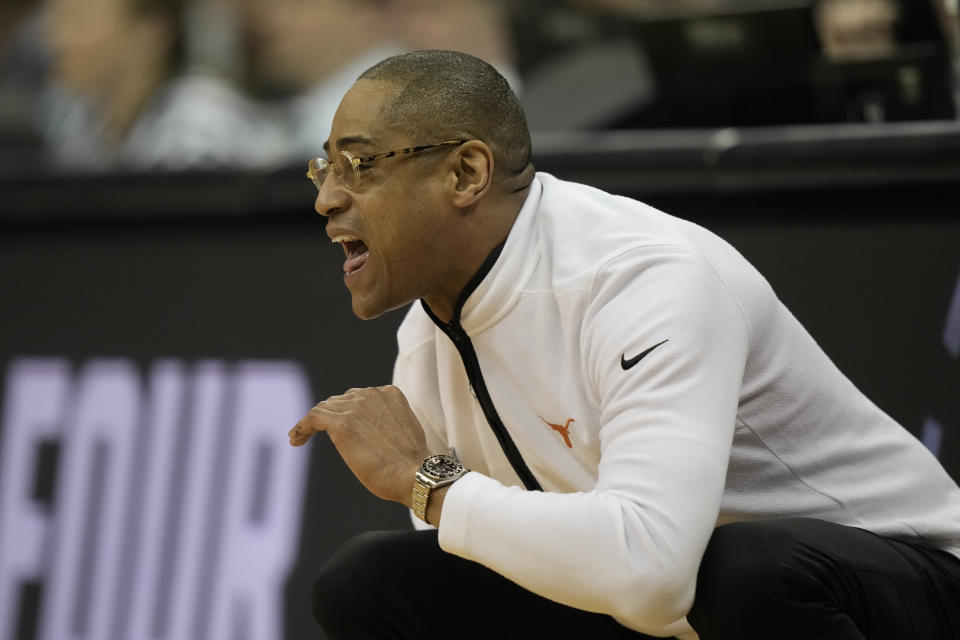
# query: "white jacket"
{"type": "Point", "coordinates": [735, 413]}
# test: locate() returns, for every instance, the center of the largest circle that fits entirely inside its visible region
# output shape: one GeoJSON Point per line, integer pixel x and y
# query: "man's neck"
{"type": "Point", "coordinates": [494, 224]}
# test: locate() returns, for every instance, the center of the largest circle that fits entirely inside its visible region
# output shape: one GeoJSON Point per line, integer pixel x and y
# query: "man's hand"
{"type": "Point", "coordinates": [376, 434]}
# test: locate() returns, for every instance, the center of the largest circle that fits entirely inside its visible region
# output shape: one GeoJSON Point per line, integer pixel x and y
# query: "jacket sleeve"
{"type": "Point", "coordinates": [632, 545]}
{"type": "Point", "coordinates": [411, 381]}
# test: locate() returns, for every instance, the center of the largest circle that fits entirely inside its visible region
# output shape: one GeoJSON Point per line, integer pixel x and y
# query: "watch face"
{"type": "Point", "coordinates": [442, 466]}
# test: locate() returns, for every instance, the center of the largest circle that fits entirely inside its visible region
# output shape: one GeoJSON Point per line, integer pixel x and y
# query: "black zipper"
{"type": "Point", "coordinates": [471, 364]}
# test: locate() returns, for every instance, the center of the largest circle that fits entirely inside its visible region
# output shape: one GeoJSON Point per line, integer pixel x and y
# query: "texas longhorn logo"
{"type": "Point", "coordinates": [562, 430]}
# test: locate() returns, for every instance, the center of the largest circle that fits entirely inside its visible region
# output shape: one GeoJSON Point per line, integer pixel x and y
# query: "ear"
{"type": "Point", "coordinates": [473, 173]}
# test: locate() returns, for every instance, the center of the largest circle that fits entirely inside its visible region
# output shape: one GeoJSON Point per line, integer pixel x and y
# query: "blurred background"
{"type": "Point", "coordinates": [170, 306]}
{"type": "Point", "coordinates": [133, 85]}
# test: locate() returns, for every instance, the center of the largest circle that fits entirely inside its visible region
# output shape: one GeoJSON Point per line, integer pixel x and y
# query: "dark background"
{"type": "Point", "coordinates": [856, 227]}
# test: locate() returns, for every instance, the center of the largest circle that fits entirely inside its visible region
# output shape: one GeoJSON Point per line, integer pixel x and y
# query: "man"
{"type": "Point", "coordinates": [123, 96]}
{"type": "Point", "coordinates": [656, 445]}
{"type": "Point", "coordinates": [305, 55]}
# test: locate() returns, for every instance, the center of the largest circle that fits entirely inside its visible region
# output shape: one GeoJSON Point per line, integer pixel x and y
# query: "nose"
{"type": "Point", "coordinates": [332, 198]}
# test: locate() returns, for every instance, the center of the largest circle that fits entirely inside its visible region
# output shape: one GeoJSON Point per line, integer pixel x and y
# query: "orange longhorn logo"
{"type": "Point", "coordinates": [563, 431]}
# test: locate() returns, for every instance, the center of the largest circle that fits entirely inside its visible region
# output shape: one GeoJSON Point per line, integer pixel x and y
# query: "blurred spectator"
{"type": "Point", "coordinates": [121, 97]}
{"type": "Point", "coordinates": [849, 29]}
{"type": "Point", "coordinates": [950, 17]}
{"type": "Point", "coordinates": [857, 29]}
{"type": "Point", "coordinates": [949, 11]}
{"type": "Point", "coordinates": [869, 30]}
{"type": "Point", "coordinates": [652, 8]}
{"type": "Point", "coordinates": [305, 54]}
{"type": "Point", "coordinates": [477, 27]}
{"type": "Point", "coordinates": [595, 46]}
{"type": "Point", "coordinates": [22, 70]}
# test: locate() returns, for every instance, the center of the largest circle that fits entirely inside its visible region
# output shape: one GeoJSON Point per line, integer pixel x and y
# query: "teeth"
{"type": "Point", "coordinates": [344, 238]}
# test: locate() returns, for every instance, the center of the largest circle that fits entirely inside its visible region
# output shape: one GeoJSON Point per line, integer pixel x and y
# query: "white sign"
{"type": "Point", "coordinates": [176, 501]}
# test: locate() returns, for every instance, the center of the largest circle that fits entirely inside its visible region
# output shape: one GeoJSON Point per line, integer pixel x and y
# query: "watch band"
{"type": "Point", "coordinates": [422, 486]}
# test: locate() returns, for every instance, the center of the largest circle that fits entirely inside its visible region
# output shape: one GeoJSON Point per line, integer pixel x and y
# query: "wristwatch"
{"type": "Point", "coordinates": [435, 472]}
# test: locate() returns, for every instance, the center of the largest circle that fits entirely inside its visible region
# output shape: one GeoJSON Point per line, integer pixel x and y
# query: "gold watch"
{"type": "Point", "coordinates": [434, 472]}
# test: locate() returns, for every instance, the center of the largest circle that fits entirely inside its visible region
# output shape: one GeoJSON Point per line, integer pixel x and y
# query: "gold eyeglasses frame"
{"type": "Point", "coordinates": [347, 170]}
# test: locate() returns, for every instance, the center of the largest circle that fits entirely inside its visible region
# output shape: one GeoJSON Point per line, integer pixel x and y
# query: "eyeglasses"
{"type": "Point", "coordinates": [347, 167]}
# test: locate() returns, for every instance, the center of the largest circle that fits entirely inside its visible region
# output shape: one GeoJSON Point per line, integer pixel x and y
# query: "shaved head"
{"type": "Point", "coordinates": [446, 94]}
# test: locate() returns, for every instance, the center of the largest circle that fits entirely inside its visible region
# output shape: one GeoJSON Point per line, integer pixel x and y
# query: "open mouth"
{"type": "Point", "coordinates": [356, 252]}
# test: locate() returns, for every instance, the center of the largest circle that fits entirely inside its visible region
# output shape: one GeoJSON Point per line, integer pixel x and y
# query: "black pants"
{"type": "Point", "coordinates": [784, 579]}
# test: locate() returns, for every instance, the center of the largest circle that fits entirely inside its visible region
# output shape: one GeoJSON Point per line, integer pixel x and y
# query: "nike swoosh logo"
{"type": "Point", "coordinates": [626, 364]}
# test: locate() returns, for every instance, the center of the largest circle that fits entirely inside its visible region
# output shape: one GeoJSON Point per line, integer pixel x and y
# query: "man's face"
{"type": "Point", "coordinates": [298, 43]}
{"type": "Point", "coordinates": [398, 229]}
{"type": "Point", "coordinates": [89, 39]}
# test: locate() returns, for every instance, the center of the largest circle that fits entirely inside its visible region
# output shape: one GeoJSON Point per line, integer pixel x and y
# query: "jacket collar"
{"type": "Point", "coordinates": [496, 286]}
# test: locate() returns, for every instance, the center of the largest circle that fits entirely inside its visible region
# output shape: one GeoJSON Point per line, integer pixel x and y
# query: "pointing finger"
{"type": "Point", "coordinates": [311, 423]}
{"type": "Point", "coordinates": [298, 441]}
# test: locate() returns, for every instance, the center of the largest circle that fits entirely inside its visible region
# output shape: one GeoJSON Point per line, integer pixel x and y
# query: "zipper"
{"type": "Point", "coordinates": [454, 331]}
{"type": "Point", "coordinates": [471, 363]}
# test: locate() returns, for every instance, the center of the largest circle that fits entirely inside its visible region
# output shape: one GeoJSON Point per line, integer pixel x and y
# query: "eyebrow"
{"type": "Point", "coordinates": [347, 140]}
